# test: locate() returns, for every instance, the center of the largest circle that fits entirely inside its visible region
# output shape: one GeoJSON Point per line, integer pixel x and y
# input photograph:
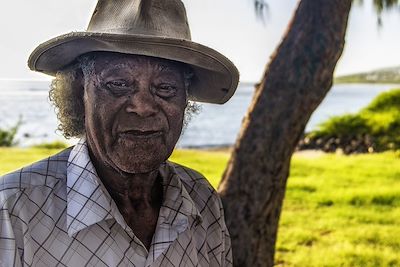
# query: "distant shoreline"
{"type": "Point", "coordinates": [394, 83]}
{"type": "Point", "coordinates": [215, 128]}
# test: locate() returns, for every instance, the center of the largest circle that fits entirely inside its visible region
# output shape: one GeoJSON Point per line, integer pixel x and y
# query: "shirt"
{"type": "Point", "coordinates": [57, 212]}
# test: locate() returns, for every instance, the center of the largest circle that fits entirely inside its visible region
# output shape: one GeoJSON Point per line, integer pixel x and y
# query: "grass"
{"type": "Point", "coordinates": [14, 158]}
{"type": "Point", "coordinates": [341, 211]}
{"type": "Point", "coordinates": [338, 210]}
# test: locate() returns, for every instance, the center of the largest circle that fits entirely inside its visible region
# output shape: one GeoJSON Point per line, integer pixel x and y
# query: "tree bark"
{"type": "Point", "coordinates": [296, 81]}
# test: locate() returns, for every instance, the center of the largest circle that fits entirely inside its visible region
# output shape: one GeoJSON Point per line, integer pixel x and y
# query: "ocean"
{"type": "Point", "coordinates": [215, 125]}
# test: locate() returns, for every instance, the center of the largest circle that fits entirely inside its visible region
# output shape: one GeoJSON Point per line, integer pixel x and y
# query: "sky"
{"type": "Point", "coordinates": [229, 26]}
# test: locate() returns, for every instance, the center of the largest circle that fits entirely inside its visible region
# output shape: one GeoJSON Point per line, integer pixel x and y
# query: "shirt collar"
{"type": "Point", "coordinates": [88, 201]}
{"type": "Point", "coordinates": [177, 202]}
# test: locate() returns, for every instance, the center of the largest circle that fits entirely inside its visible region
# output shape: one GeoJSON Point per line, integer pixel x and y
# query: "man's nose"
{"type": "Point", "coordinates": [142, 103]}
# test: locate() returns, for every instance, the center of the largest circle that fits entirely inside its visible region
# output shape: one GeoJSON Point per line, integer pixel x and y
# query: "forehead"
{"type": "Point", "coordinates": [107, 61]}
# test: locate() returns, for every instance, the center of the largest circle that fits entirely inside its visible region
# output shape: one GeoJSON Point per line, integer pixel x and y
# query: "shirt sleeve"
{"type": "Point", "coordinates": [9, 254]}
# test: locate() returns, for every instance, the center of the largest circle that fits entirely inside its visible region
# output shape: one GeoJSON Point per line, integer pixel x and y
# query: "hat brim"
{"type": "Point", "coordinates": [215, 77]}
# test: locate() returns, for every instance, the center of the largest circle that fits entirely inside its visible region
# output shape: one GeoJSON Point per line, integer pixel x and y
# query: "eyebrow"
{"type": "Point", "coordinates": [112, 68]}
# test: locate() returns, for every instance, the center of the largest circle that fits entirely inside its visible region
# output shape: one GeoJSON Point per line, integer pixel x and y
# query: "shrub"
{"type": "Point", "coordinates": [374, 128]}
{"type": "Point", "coordinates": [342, 126]}
{"type": "Point", "coordinates": [385, 101]}
{"type": "Point", "coordinates": [7, 136]}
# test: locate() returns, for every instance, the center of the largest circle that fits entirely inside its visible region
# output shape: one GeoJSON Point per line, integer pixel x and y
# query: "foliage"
{"type": "Point", "coordinates": [338, 210]}
{"type": "Point", "coordinates": [379, 121]}
{"type": "Point", "coordinates": [341, 126]}
{"type": "Point", "coordinates": [261, 9]}
{"type": "Point", "coordinates": [7, 136]}
{"type": "Point", "coordinates": [380, 6]}
{"type": "Point", "coordinates": [386, 101]}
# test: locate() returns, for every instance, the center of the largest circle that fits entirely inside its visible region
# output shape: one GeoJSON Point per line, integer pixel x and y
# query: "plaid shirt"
{"type": "Point", "coordinates": [57, 212]}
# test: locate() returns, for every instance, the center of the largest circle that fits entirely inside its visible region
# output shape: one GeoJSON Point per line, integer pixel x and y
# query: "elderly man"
{"type": "Point", "coordinates": [114, 199]}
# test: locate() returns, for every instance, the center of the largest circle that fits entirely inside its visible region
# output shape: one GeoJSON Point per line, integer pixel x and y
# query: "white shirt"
{"type": "Point", "coordinates": [57, 212]}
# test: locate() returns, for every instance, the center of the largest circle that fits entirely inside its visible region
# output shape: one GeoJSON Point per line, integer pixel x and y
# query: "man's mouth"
{"type": "Point", "coordinates": [141, 134]}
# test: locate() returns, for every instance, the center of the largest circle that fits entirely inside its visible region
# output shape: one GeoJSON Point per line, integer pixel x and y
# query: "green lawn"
{"type": "Point", "coordinates": [338, 210]}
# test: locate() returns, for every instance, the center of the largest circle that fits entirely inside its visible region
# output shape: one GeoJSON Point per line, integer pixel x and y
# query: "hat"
{"type": "Point", "coordinates": [157, 28]}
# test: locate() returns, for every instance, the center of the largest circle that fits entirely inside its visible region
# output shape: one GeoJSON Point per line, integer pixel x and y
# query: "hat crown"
{"type": "Point", "coordinates": [161, 18]}
{"type": "Point", "coordinates": [154, 28]}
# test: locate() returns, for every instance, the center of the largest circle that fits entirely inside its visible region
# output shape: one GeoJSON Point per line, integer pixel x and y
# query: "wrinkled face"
{"type": "Point", "coordinates": [134, 109]}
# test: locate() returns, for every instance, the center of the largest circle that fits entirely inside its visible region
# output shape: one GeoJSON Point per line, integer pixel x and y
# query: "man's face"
{"type": "Point", "coordinates": [134, 109]}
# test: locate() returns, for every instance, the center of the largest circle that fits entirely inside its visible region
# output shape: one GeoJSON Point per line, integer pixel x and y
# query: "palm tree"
{"type": "Point", "coordinates": [381, 5]}
{"type": "Point", "coordinates": [297, 79]}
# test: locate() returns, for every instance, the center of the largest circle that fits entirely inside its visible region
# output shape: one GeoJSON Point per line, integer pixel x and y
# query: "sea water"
{"type": "Point", "coordinates": [215, 125]}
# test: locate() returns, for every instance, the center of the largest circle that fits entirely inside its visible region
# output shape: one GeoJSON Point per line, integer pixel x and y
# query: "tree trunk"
{"type": "Point", "coordinates": [296, 81]}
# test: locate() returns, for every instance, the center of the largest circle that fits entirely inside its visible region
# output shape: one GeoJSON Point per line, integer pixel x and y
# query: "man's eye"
{"type": "Point", "coordinates": [119, 87]}
{"type": "Point", "coordinates": [166, 90]}
{"type": "Point", "coordinates": [117, 84]}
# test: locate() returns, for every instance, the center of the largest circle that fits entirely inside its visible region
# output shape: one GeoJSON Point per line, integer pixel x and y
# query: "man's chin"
{"type": "Point", "coordinates": [139, 161]}
{"type": "Point", "coordinates": [137, 166]}
{"type": "Point", "coordinates": [131, 155]}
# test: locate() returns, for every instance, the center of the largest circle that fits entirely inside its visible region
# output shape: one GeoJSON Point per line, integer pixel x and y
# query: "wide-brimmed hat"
{"type": "Point", "coordinates": [157, 28]}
